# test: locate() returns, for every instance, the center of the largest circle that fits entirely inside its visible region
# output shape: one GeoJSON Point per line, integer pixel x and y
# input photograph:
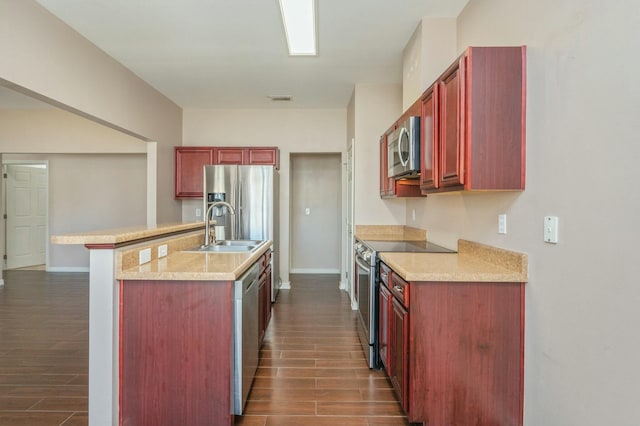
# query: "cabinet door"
{"type": "Point", "coordinates": [383, 326]}
{"type": "Point", "coordinates": [399, 351]}
{"type": "Point", "coordinates": [189, 162]}
{"type": "Point", "coordinates": [230, 156]}
{"type": "Point", "coordinates": [263, 156]}
{"type": "Point", "coordinates": [429, 141]}
{"type": "Point", "coordinates": [451, 128]}
{"type": "Point", "coordinates": [384, 170]}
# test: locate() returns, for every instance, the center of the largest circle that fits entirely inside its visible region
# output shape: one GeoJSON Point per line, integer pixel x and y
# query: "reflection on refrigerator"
{"type": "Point", "coordinates": [253, 192]}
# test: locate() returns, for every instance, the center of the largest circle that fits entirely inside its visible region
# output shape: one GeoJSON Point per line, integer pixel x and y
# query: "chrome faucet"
{"type": "Point", "coordinates": [207, 224]}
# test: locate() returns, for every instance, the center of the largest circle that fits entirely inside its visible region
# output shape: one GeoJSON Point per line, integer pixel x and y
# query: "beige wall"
{"type": "Point", "coordinates": [292, 130]}
{"type": "Point", "coordinates": [42, 56]}
{"type": "Point", "coordinates": [87, 191]}
{"type": "Point", "coordinates": [376, 108]}
{"type": "Point", "coordinates": [40, 132]}
{"type": "Point", "coordinates": [582, 297]}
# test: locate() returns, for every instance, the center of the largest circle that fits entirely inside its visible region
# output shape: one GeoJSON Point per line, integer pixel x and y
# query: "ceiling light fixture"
{"type": "Point", "coordinates": [299, 19]}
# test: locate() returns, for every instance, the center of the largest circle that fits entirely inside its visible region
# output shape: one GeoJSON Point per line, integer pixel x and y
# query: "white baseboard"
{"type": "Point", "coordinates": [343, 284]}
{"type": "Point", "coordinates": [285, 285]}
{"type": "Point", "coordinates": [68, 269]}
{"type": "Point", "coordinates": [314, 271]}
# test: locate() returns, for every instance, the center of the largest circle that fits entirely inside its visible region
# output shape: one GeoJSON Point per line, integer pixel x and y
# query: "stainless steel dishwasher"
{"type": "Point", "coordinates": [245, 348]}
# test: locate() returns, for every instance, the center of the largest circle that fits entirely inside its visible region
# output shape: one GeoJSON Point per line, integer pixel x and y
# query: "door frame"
{"type": "Point", "coordinates": [4, 206]}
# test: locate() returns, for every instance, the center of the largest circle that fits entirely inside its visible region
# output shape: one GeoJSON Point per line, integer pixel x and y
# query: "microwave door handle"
{"type": "Point", "coordinates": [400, 142]}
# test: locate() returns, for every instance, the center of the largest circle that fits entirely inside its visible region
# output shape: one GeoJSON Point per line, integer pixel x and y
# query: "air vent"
{"type": "Point", "coordinates": [280, 98]}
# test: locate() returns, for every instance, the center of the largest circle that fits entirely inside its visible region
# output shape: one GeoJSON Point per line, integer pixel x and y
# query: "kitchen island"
{"type": "Point", "coordinates": [160, 332]}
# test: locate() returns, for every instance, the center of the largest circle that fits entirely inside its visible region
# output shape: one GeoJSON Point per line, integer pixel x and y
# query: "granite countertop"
{"type": "Point", "coordinates": [474, 262]}
{"type": "Point", "coordinates": [124, 235]}
{"type": "Point", "coordinates": [180, 265]}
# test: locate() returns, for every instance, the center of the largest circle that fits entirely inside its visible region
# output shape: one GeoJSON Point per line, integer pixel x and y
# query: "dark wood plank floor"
{"type": "Point", "coordinates": [44, 349]}
{"type": "Point", "coordinates": [312, 369]}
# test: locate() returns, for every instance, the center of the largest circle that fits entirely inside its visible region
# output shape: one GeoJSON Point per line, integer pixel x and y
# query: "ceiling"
{"type": "Point", "coordinates": [233, 53]}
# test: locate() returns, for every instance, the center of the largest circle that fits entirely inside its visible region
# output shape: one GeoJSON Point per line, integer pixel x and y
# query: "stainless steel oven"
{"type": "Point", "coordinates": [365, 284]}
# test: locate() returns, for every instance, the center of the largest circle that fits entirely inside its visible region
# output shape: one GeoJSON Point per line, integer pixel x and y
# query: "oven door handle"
{"type": "Point", "coordinates": [362, 265]}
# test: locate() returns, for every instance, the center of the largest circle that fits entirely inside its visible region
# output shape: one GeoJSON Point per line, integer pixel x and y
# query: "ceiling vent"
{"type": "Point", "coordinates": [280, 98]}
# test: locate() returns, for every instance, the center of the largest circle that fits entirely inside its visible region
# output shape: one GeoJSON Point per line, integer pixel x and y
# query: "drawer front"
{"type": "Point", "coordinates": [400, 289]}
{"type": "Point", "coordinates": [385, 274]}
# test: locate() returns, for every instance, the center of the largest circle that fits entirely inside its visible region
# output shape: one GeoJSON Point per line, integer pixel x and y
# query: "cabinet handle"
{"type": "Point", "coordinates": [384, 276]}
{"type": "Point", "coordinates": [399, 289]}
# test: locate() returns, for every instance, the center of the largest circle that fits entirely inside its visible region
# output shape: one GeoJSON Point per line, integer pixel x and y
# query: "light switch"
{"type": "Point", "coordinates": [551, 229]}
{"type": "Point", "coordinates": [502, 223]}
{"type": "Point", "coordinates": [307, 211]}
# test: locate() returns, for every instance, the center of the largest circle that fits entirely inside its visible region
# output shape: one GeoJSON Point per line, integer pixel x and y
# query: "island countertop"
{"type": "Point", "coordinates": [125, 235]}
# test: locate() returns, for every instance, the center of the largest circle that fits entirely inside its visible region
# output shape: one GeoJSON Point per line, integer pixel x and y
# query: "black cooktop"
{"type": "Point", "coordinates": [406, 246]}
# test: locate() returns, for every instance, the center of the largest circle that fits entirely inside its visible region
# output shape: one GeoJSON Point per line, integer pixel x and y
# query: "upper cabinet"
{"type": "Point", "coordinates": [189, 175]}
{"type": "Point", "coordinates": [473, 120]}
{"type": "Point", "coordinates": [189, 161]}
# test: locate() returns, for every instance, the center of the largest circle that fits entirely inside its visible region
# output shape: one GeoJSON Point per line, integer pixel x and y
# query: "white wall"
{"type": "Point", "coordinates": [316, 184]}
{"type": "Point", "coordinates": [292, 130]}
{"type": "Point", "coordinates": [43, 57]}
{"type": "Point", "coordinates": [582, 297]}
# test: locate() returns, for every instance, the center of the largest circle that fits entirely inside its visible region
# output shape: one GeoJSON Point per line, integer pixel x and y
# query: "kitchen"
{"type": "Point", "coordinates": [579, 349]}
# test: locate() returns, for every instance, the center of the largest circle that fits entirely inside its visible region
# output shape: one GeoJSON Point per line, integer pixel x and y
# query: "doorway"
{"type": "Point", "coordinates": [316, 211]}
{"type": "Point", "coordinates": [26, 212]}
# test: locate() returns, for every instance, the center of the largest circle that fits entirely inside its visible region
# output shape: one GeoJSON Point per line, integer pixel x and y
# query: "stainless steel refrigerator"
{"type": "Point", "coordinates": [253, 192]}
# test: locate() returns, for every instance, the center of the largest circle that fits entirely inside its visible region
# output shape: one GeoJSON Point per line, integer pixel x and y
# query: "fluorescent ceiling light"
{"type": "Point", "coordinates": [299, 18]}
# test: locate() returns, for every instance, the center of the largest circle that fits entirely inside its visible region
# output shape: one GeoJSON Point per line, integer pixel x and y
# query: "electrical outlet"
{"type": "Point", "coordinates": [413, 214]}
{"type": "Point", "coordinates": [198, 212]}
{"type": "Point", "coordinates": [162, 250]}
{"type": "Point", "coordinates": [144, 256]}
{"type": "Point", "coordinates": [502, 223]}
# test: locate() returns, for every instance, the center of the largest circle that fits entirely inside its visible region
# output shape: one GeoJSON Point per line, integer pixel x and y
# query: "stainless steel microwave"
{"type": "Point", "coordinates": [403, 149]}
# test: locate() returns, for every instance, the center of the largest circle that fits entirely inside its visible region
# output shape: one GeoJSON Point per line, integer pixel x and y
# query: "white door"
{"type": "Point", "coordinates": [26, 214]}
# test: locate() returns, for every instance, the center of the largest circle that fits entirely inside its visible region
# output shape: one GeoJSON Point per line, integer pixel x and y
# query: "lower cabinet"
{"type": "Point", "coordinates": [393, 333]}
{"type": "Point", "coordinates": [455, 353]}
{"type": "Point", "coordinates": [264, 295]}
{"type": "Point", "coordinates": [399, 351]}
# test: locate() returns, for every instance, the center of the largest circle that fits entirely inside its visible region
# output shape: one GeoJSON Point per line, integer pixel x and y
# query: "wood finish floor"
{"type": "Point", "coordinates": [44, 348]}
{"type": "Point", "coordinates": [312, 369]}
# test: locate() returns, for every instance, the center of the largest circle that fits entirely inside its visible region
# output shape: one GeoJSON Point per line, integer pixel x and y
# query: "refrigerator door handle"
{"type": "Point", "coordinates": [239, 215]}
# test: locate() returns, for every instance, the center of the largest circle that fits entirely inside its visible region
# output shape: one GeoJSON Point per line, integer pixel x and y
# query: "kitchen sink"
{"type": "Point", "coordinates": [238, 243]}
{"type": "Point", "coordinates": [228, 246]}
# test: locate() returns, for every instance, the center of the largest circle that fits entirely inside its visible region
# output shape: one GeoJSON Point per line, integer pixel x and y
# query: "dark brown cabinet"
{"type": "Point", "coordinates": [393, 332]}
{"type": "Point", "coordinates": [230, 156]}
{"type": "Point", "coordinates": [189, 161]}
{"type": "Point", "coordinates": [383, 326]}
{"type": "Point", "coordinates": [477, 107]}
{"type": "Point", "coordinates": [399, 351]}
{"type": "Point", "coordinates": [264, 295]}
{"type": "Point", "coordinates": [454, 351]}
